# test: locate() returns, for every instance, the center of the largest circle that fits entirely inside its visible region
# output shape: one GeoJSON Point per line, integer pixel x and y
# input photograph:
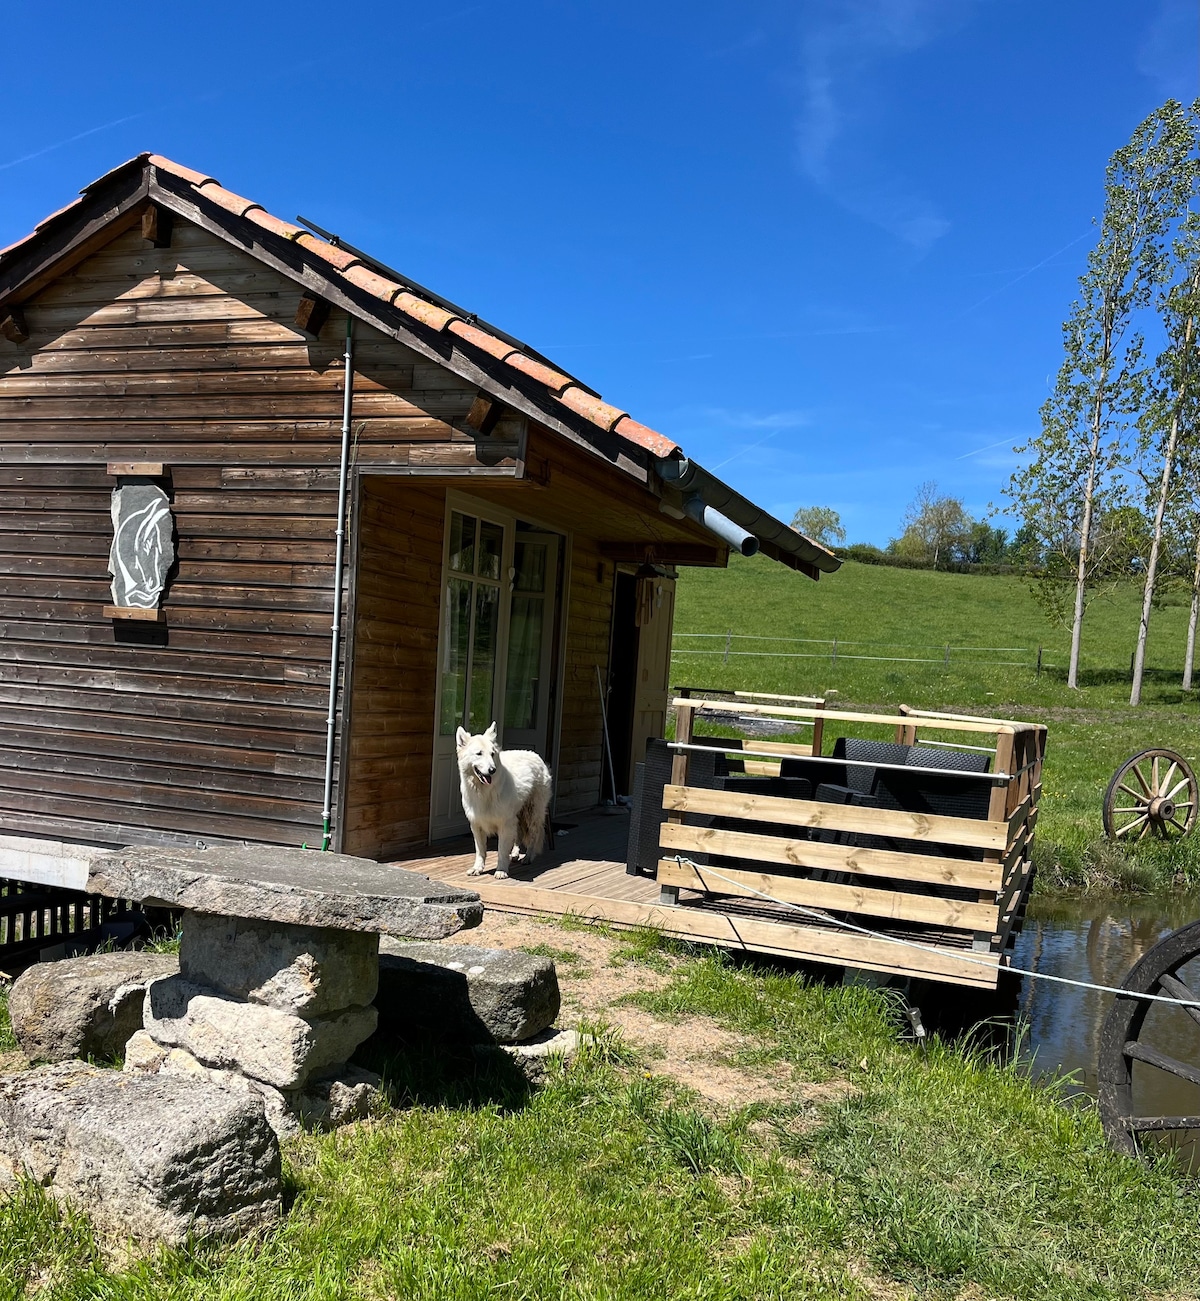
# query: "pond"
{"type": "Point", "coordinates": [1098, 940]}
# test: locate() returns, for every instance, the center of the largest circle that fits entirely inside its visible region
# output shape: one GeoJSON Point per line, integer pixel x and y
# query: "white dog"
{"type": "Point", "coordinates": [505, 793]}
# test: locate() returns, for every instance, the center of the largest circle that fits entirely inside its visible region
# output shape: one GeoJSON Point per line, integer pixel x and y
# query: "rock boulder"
{"type": "Point", "coordinates": [472, 994]}
{"type": "Point", "coordinates": [150, 1157]}
{"type": "Point", "coordinates": [83, 1007]}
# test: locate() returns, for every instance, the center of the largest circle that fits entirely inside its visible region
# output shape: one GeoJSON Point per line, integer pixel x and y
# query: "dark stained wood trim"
{"type": "Point", "coordinates": [665, 553]}
{"type": "Point", "coordinates": [156, 225]}
{"type": "Point", "coordinates": [14, 327]}
{"type": "Point", "coordinates": [102, 215]}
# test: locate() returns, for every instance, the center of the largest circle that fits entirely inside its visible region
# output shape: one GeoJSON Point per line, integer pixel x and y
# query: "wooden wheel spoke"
{"type": "Point", "coordinates": [1162, 1061]}
{"type": "Point", "coordinates": [1137, 772]}
{"type": "Point", "coordinates": [1129, 826]}
{"type": "Point", "coordinates": [1151, 1124]}
{"type": "Point", "coordinates": [1174, 822]}
{"type": "Point", "coordinates": [1166, 781]}
{"type": "Point", "coordinates": [1154, 772]}
{"type": "Point", "coordinates": [1177, 989]}
{"type": "Point", "coordinates": [1137, 795]}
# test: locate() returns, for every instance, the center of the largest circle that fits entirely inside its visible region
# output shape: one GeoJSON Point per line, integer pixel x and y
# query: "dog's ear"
{"type": "Point", "coordinates": [461, 737]}
{"type": "Point", "coordinates": [491, 734]}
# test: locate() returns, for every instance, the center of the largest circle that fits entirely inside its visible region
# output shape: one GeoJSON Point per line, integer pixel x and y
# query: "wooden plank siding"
{"type": "Point", "coordinates": [397, 604]}
{"type": "Point", "coordinates": [188, 356]}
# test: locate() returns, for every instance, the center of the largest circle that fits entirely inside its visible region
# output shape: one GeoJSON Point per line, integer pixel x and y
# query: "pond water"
{"type": "Point", "coordinates": [1099, 940]}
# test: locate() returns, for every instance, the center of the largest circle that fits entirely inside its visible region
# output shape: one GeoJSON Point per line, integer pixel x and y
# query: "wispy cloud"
{"type": "Point", "coordinates": [70, 140]}
{"type": "Point", "coordinates": [1167, 54]}
{"type": "Point", "coordinates": [841, 49]}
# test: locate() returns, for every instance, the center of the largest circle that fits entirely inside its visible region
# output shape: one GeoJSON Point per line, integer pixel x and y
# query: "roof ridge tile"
{"type": "Point", "coordinates": [336, 257]}
{"type": "Point", "coordinates": [554, 380]}
{"type": "Point", "coordinates": [177, 169]}
{"type": "Point", "coordinates": [482, 339]}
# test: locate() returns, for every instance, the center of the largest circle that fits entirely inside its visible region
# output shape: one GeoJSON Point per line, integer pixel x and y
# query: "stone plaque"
{"type": "Point", "coordinates": [142, 548]}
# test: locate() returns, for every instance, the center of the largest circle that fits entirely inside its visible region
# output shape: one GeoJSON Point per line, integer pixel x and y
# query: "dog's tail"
{"type": "Point", "coordinates": [531, 821]}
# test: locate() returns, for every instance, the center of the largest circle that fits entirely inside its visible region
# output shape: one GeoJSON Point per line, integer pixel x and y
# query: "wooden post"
{"type": "Point", "coordinates": [1039, 662]}
{"type": "Point", "coordinates": [833, 657]}
{"type": "Point", "coordinates": [728, 639]}
{"type": "Point", "coordinates": [680, 767]}
{"type": "Point", "coordinates": [1004, 800]}
{"type": "Point", "coordinates": [905, 735]}
{"type": "Point", "coordinates": [818, 732]}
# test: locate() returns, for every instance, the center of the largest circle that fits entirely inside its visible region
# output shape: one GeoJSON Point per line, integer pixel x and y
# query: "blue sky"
{"type": "Point", "coordinates": [826, 245]}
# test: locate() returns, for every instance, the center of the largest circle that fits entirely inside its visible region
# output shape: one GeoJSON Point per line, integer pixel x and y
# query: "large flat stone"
{"type": "Point", "coordinates": [299, 887]}
{"type": "Point", "coordinates": [465, 992]}
{"type": "Point", "coordinates": [307, 970]}
{"type": "Point", "coordinates": [263, 1042]}
{"type": "Point", "coordinates": [83, 1007]}
{"type": "Point", "coordinates": [152, 1157]}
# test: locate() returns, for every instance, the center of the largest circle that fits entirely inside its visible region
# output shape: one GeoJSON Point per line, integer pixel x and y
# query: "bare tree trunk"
{"type": "Point", "coordinates": [1189, 656]}
{"type": "Point", "coordinates": [1085, 535]}
{"type": "Point", "coordinates": [1164, 493]}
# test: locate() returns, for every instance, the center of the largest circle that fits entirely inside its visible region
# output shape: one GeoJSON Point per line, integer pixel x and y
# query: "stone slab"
{"type": "Point", "coordinates": [299, 887]}
{"type": "Point", "coordinates": [466, 992]}
{"type": "Point", "coordinates": [263, 1042]}
{"type": "Point", "coordinates": [83, 1007]}
{"type": "Point", "coordinates": [148, 1157]}
{"type": "Point", "coordinates": [306, 970]}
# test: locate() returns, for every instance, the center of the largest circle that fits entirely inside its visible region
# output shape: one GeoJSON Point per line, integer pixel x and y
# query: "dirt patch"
{"type": "Point", "coordinates": [693, 1050]}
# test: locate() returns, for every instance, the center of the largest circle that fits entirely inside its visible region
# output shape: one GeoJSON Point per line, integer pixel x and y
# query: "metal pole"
{"type": "Point", "coordinates": [612, 776]}
{"type": "Point", "coordinates": [335, 650]}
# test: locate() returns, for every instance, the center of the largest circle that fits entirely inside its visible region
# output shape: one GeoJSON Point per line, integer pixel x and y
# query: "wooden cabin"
{"type": "Point", "coordinates": [244, 401]}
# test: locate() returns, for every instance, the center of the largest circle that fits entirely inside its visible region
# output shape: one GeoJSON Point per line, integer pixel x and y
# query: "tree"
{"type": "Point", "coordinates": [933, 526]}
{"type": "Point", "coordinates": [985, 545]}
{"type": "Point", "coordinates": [820, 523]}
{"type": "Point", "coordinates": [1170, 417]}
{"type": "Point", "coordinates": [1073, 475]}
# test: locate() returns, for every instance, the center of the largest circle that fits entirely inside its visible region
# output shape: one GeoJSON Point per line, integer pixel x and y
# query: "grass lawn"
{"type": "Point", "coordinates": [869, 1169]}
{"type": "Point", "coordinates": [1092, 729]}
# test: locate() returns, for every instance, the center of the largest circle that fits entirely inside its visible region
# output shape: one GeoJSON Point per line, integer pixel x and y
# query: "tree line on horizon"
{"type": "Point", "coordinates": [1109, 489]}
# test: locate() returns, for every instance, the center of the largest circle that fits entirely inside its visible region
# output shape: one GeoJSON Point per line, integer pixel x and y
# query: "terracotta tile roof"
{"type": "Point", "coordinates": [439, 317]}
{"type": "Point", "coordinates": [559, 387]}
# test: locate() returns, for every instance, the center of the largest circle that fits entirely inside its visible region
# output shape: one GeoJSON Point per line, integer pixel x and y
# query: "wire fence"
{"type": "Point", "coordinates": [730, 645]}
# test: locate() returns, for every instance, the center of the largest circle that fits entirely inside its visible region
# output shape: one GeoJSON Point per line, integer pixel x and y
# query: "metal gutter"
{"type": "Point", "coordinates": [775, 538]}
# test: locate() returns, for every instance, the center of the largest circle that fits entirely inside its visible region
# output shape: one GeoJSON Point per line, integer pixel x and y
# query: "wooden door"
{"type": "Point", "coordinates": [653, 666]}
{"type": "Point", "coordinates": [532, 588]}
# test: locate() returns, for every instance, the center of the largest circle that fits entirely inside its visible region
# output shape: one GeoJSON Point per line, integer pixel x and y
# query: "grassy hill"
{"type": "Point", "coordinates": [993, 628]}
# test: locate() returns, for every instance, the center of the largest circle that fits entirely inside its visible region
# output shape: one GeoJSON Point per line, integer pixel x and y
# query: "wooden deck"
{"type": "Point", "coordinates": [584, 876]}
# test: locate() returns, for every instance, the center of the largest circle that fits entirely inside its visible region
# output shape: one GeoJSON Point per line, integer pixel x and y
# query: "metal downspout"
{"type": "Point", "coordinates": [335, 651]}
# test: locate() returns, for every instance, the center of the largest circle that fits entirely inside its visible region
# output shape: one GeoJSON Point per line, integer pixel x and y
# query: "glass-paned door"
{"type": "Point", "coordinates": [527, 680]}
{"type": "Point", "coordinates": [474, 621]}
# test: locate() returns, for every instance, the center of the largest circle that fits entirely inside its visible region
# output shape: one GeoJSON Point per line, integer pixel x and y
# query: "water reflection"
{"type": "Point", "coordinates": [1099, 940]}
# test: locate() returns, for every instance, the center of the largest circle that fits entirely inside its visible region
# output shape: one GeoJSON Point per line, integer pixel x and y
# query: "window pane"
{"type": "Point", "coordinates": [530, 561]}
{"type": "Point", "coordinates": [462, 543]}
{"type": "Point", "coordinates": [524, 661]}
{"type": "Point", "coordinates": [491, 542]}
{"type": "Point", "coordinates": [454, 667]}
{"type": "Point", "coordinates": [483, 659]}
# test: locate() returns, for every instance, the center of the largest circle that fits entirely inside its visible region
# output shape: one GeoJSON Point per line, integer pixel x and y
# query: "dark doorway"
{"type": "Point", "coordinates": [622, 683]}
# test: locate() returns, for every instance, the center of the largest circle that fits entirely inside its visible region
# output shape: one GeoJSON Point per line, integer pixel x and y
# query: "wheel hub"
{"type": "Point", "coordinates": [1162, 809]}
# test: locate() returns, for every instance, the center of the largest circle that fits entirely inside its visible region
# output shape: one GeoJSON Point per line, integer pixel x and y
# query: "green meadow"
{"type": "Point", "coordinates": [967, 643]}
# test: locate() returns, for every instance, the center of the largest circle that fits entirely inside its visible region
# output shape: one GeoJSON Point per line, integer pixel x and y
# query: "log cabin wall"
{"type": "Point", "coordinates": [211, 726]}
{"type": "Point", "coordinates": [400, 526]}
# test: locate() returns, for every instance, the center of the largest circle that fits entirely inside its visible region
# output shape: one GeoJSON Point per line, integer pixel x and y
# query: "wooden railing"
{"type": "Point", "coordinates": [960, 881]}
{"type": "Point", "coordinates": [36, 917]}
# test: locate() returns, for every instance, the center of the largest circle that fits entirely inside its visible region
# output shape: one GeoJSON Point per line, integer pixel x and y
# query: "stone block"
{"type": "Point", "coordinates": [299, 887]}
{"type": "Point", "coordinates": [83, 1007]}
{"type": "Point", "coordinates": [322, 1104]}
{"type": "Point", "coordinates": [472, 994]}
{"type": "Point", "coordinates": [263, 1042]}
{"type": "Point", "coordinates": [307, 970]}
{"type": "Point", "coordinates": [148, 1157]}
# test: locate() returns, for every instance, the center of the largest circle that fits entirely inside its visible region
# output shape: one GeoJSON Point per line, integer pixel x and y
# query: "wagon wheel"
{"type": "Point", "coordinates": [1139, 1031]}
{"type": "Point", "coordinates": [1154, 793]}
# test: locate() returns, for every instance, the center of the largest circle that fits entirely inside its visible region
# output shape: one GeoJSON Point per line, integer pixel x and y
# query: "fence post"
{"type": "Point", "coordinates": [833, 658]}
{"type": "Point", "coordinates": [728, 639]}
{"type": "Point", "coordinates": [946, 660]}
{"type": "Point", "coordinates": [1039, 663]}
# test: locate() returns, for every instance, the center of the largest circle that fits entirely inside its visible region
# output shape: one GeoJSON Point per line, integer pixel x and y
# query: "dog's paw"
{"type": "Point", "coordinates": [500, 876]}
{"type": "Point", "coordinates": [518, 855]}
{"type": "Point", "coordinates": [475, 870]}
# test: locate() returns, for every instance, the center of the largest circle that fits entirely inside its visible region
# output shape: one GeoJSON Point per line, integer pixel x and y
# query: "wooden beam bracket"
{"type": "Point", "coordinates": [13, 326]}
{"type": "Point", "coordinates": [311, 314]}
{"type": "Point", "coordinates": [157, 222]}
{"type": "Point", "coordinates": [140, 469]}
